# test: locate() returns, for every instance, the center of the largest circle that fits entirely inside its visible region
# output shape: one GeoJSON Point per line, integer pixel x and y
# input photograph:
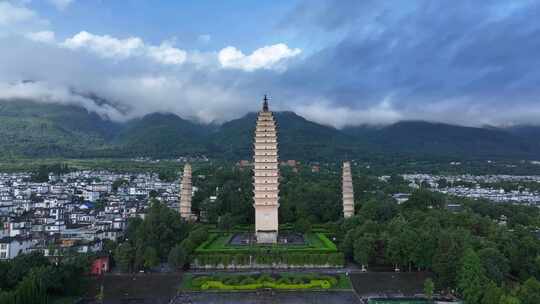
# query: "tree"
{"type": "Point", "coordinates": [450, 247]}
{"type": "Point", "coordinates": [225, 222]}
{"type": "Point", "coordinates": [31, 291]}
{"type": "Point", "coordinates": [167, 175]}
{"type": "Point", "coordinates": [21, 266]}
{"type": "Point", "coordinates": [529, 293]}
{"type": "Point", "coordinates": [471, 278]}
{"type": "Point", "coordinates": [161, 229]}
{"type": "Point", "coordinates": [302, 225]}
{"type": "Point", "coordinates": [153, 193]}
{"type": "Point", "coordinates": [198, 235]}
{"type": "Point", "coordinates": [508, 299]}
{"type": "Point", "coordinates": [364, 249]}
{"type": "Point", "coordinates": [380, 210]}
{"type": "Point", "coordinates": [100, 204]}
{"type": "Point", "coordinates": [495, 264]}
{"type": "Point", "coordinates": [442, 183]}
{"type": "Point", "coordinates": [347, 246]}
{"type": "Point", "coordinates": [492, 293]}
{"type": "Point", "coordinates": [133, 224]}
{"type": "Point", "coordinates": [177, 257]}
{"type": "Point", "coordinates": [117, 183]}
{"type": "Point", "coordinates": [188, 245]}
{"type": "Point", "coordinates": [429, 288]}
{"type": "Point", "coordinates": [151, 258]}
{"type": "Point", "coordinates": [423, 199]}
{"type": "Point", "coordinates": [125, 256]}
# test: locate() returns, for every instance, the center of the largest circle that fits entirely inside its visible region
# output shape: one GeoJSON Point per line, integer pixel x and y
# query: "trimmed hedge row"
{"type": "Point", "coordinates": [208, 241]}
{"type": "Point", "coordinates": [327, 243]}
{"type": "Point", "coordinates": [327, 247]}
{"type": "Point", "coordinates": [290, 258]}
{"type": "Point", "coordinates": [240, 282]}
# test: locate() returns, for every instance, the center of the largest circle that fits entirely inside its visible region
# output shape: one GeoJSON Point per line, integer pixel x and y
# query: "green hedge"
{"type": "Point", "coordinates": [318, 243]}
{"type": "Point", "coordinates": [207, 243]}
{"type": "Point", "coordinates": [294, 259]}
{"type": "Point", "coordinates": [253, 282]}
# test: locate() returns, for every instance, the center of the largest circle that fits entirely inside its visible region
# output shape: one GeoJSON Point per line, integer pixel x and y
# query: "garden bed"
{"type": "Point", "coordinates": [251, 282]}
{"type": "Point", "coordinates": [221, 243]}
{"type": "Point", "coordinates": [316, 252]}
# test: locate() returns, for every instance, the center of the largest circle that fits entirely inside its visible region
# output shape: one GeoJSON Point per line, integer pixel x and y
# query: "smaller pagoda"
{"type": "Point", "coordinates": [348, 193]}
{"type": "Point", "coordinates": [186, 192]}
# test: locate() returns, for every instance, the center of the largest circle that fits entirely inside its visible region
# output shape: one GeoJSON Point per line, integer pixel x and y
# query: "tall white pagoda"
{"type": "Point", "coordinates": [186, 193]}
{"type": "Point", "coordinates": [266, 177]}
{"type": "Point", "coordinates": [348, 193]}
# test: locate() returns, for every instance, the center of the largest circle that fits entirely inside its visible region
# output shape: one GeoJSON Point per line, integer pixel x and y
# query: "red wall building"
{"type": "Point", "coordinates": [100, 265]}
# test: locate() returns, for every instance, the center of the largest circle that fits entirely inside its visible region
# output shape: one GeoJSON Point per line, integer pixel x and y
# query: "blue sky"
{"type": "Point", "coordinates": [340, 63]}
{"type": "Point", "coordinates": [247, 24]}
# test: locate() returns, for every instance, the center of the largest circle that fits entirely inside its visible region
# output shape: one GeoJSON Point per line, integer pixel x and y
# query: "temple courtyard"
{"type": "Point", "coordinates": [246, 238]}
{"type": "Point", "coordinates": [167, 288]}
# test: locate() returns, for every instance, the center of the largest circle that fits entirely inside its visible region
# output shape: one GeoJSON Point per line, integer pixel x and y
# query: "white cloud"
{"type": "Point", "coordinates": [268, 57]}
{"type": "Point", "coordinates": [340, 116]}
{"type": "Point", "coordinates": [110, 47]}
{"type": "Point", "coordinates": [61, 4]}
{"type": "Point", "coordinates": [167, 54]}
{"type": "Point", "coordinates": [205, 101]}
{"type": "Point", "coordinates": [11, 14]}
{"type": "Point", "coordinates": [105, 46]}
{"type": "Point", "coordinates": [41, 36]}
{"type": "Point", "coordinates": [47, 93]}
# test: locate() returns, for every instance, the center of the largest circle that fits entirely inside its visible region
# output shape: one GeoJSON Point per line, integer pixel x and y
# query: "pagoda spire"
{"type": "Point", "coordinates": [265, 103]}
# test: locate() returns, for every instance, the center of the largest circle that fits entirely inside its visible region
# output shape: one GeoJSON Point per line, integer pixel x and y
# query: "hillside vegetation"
{"type": "Point", "coordinates": [30, 129]}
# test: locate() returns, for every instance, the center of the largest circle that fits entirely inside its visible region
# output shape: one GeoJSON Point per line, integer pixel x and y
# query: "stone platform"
{"type": "Point", "coordinates": [246, 238]}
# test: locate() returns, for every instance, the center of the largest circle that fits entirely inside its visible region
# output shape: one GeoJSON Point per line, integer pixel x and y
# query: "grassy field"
{"type": "Point", "coordinates": [110, 164]}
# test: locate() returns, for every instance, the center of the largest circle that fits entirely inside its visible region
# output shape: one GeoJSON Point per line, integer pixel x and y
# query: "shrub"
{"type": "Point", "coordinates": [295, 259]}
{"type": "Point", "coordinates": [284, 280]}
{"type": "Point", "coordinates": [233, 280]}
{"type": "Point", "coordinates": [177, 257]}
{"type": "Point", "coordinates": [239, 282]}
{"type": "Point", "coordinates": [323, 283]}
{"type": "Point", "coordinates": [199, 281]}
{"type": "Point", "coordinates": [265, 278]}
{"type": "Point", "coordinates": [199, 235]}
{"type": "Point", "coordinates": [248, 281]}
{"type": "Point", "coordinates": [302, 225]}
{"type": "Point", "coordinates": [331, 279]}
{"type": "Point", "coordinates": [188, 245]}
{"type": "Point", "coordinates": [209, 241]}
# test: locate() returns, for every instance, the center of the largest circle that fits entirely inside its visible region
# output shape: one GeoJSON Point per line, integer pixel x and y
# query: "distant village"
{"type": "Point", "coordinates": [76, 211]}
{"type": "Point", "coordinates": [471, 186]}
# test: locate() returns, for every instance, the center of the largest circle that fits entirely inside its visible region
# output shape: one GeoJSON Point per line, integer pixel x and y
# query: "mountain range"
{"type": "Point", "coordinates": [31, 129]}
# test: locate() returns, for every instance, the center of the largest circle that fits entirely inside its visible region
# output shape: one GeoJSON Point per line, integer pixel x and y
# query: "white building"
{"type": "Point", "coordinates": [10, 247]}
{"type": "Point", "coordinates": [91, 196]}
